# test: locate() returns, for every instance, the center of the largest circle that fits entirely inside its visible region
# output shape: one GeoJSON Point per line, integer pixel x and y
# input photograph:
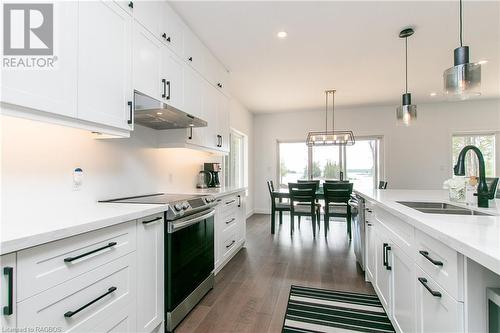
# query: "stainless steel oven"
{"type": "Point", "coordinates": [357, 204]}
{"type": "Point", "coordinates": [189, 264]}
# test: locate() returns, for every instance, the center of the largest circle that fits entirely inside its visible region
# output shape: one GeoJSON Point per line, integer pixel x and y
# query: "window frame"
{"type": "Point", "coordinates": [243, 162]}
{"type": "Point", "coordinates": [379, 157]}
{"type": "Point", "coordinates": [496, 150]}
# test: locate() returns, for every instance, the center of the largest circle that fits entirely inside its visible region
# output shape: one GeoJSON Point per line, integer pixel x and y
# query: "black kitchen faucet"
{"type": "Point", "coordinates": [459, 170]}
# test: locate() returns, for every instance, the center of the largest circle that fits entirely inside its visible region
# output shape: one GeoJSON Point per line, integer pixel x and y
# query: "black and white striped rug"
{"type": "Point", "coordinates": [320, 310]}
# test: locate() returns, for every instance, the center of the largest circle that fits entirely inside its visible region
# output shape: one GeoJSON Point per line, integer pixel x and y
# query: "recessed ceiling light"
{"type": "Point", "coordinates": [482, 62]}
{"type": "Point", "coordinates": [282, 34]}
{"type": "Point", "coordinates": [433, 94]}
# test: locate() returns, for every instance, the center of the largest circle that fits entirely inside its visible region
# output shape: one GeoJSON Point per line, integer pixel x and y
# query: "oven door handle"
{"type": "Point", "coordinates": [174, 226]}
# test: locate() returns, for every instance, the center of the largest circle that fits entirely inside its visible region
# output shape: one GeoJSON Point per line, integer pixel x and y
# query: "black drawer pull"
{"type": "Point", "coordinates": [433, 292]}
{"type": "Point", "coordinates": [190, 58]}
{"type": "Point", "coordinates": [232, 243]}
{"type": "Point", "coordinates": [369, 224]}
{"type": "Point", "coordinates": [169, 39]}
{"type": "Point", "coordinates": [131, 4]}
{"type": "Point", "coordinates": [426, 256]}
{"type": "Point", "coordinates": [164, 35]}
{"type": "Point", "coordinates": [9, 308]}
{"type": "Point", "coordinates": [70, 259]}
{"type": "Point", "coordinates": [230, 221]}
{"type": "Point", "coordinates": [153, 220]}
{"type": "Point", "coordinates": [70, 314]}
{"type": "Point", "coordinates": [168, 86]}
{"type": "Point", "coordinates": [230, 201]}
{"type": "Point", "coordinates": [239, 200]}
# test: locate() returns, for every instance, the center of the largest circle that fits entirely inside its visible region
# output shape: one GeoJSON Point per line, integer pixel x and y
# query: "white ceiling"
{"type": "Point", "coordinates": [351, 46]}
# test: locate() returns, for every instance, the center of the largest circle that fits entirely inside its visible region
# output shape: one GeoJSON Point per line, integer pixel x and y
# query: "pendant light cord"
{"type": "Point", "coordinates": [326, 111]}
{"type": "Point", "coordinates": [406, 64]}
{"type": "Point", "coordinates": [333, 111]}
{"type": "Point", "coordinates": [461, 23]}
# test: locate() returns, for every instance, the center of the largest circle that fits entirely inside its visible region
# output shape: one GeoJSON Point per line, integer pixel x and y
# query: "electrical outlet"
{"type": "Point", "coordinates": [77, 179]}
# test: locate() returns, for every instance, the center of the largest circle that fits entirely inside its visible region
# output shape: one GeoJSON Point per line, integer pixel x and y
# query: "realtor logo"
{"type": "Point", "coordinates": [28, 29]}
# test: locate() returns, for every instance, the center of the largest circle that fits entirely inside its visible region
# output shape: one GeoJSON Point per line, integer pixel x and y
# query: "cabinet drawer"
{"type": "Point", "coordinates": [447, 269]}
{"type": "Point", "coordinates": [229, 239]}
{"type": "Point", "coordinates": [85, 303]}
{"type": "Point", "coordinates": [228, 202]}
{"type": "Point", "coordinates": [228, 219]}
{"type": "Point", "coordinates": [402, 233]}
{"type": "Point", "coordinates": [47, 265]}
{"type": "Point", "coordinates": [439, 312]}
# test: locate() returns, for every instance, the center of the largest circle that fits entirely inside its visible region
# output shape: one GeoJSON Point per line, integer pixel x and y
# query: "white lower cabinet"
{"type": "Point", "coordinates": [230, 225]}
{"type": "Point", "coordinates": [83, 303]}
{"type": "Point", "coordinates": [150, 272]}
{"type": "Point", "coordinates": [403, 290]}
{"type": "Point", "coordinates": [437, 311]}
{"type": "Point", "coordinates": [8, 292]}
{"type": "Point", "coordinates": [420, 284]}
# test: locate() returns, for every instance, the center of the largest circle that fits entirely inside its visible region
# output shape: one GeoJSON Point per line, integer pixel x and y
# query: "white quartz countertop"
{"type": "Point", "coordinates": [39, 225]}
{"type": "Point", "coordinates": [217, 192]}
{"type": "Point", "coordinates": [476, 237]}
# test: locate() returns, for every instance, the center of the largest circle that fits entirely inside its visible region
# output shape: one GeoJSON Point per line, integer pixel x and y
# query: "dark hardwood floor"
{"type": "Point", "coordinates": [251, 291]}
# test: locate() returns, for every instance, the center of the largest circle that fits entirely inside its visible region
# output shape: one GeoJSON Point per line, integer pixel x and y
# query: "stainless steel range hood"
{"type": "Point", "coordinates": [155, 114]}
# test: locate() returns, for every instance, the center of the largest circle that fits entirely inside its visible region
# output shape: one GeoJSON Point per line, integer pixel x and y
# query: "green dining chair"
{"type": "Point", "coordinates": [303, 203]}
{"type": "Point", "coordinates": [337, 196]}
{"type": "Point", "coordinates": [276, 206]}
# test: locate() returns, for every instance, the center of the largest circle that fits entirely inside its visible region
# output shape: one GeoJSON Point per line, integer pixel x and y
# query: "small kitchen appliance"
{"type": "Point", "coordinates": [189, 249]}
{"type": "Point", "coordinates": [204, 179]}
{"type": "Point", "coordinates": [357, 204]}
{"type": "Point", "coordinates": [214, 169]}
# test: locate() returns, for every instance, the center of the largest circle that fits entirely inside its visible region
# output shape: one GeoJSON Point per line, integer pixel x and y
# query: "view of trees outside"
{"type": "Point", "coordinates": [486, 143]}
{"type": "Point", "coordinates": [325, 164]}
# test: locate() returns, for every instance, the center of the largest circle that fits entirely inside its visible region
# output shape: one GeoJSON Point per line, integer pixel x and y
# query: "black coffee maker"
{"type": "Point", "coordinates": [214, 169]}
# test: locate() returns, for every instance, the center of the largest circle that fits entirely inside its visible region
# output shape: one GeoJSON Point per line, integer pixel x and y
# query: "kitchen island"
{"type": "Point", "coordinates": [431, 271]}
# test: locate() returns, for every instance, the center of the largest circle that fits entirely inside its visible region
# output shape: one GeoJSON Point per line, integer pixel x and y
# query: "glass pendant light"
{"type": "Point", "coordinates": [463, 80]}
{"type": "Point", "coordinates": [406, 113]}
{"type": "Point", "coordinates": [333, 137]}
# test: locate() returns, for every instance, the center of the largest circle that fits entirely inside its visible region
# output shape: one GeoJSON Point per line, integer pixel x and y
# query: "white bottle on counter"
{"type": "Point", "coordinates": [470, 190]}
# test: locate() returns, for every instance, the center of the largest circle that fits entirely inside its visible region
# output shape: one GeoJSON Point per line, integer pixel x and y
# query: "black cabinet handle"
{"type": "Point", "coordinates": [369, 224]}
{"type": "Point", "coordinates": [230, 201]}
{"type": "Point", "coordinates": [153, 220]}
{"type": "Point", "coordinates": [387, 249]}
{"type": "Point", "coordinates": [131, 4]}
{"type": "Point", "coordinates": [426, 256]}
{"type": "Point", "coordinates": [169, 39]}
{"type": "Point", "coordinates": [9, 308]}
{"type": "Point", "coordinates": [190, 58]}
{"type": "Point", "coordinates": [70, 314]}
{"type": "Point", "coordinates": [190, 137]}
{"type": "Point", "coordinates": [168, 86]}
{"type": "Point", "coordinates": [239, 200]}
{"type": "Point", "coordinates": [230, 221]}
{"type": "Point", "coordinates": [220, 137]}
{"type": "Point", "coordinates": [164, 35]}
{"type": "Point", "coordinates": [384, 259]}
{"type": "Point", "coordinates": [433, 292]}
{"type": "Point", "coordinates": [164, 82]}
{"type": "Point", "coordinates": [131, 110]}
{"type": "Point", "coordinates": [70, 259]}
{"type": "Point", "coordinates": [219, 85]}
{"type": "Point", "coordinates": [232, 243]}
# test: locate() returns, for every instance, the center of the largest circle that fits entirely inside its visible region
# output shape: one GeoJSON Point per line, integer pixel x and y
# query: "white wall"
{"type": "Point", "coordinates": [416, 157]}
{"type": "Point", "coordinates": [242, 121]}
{"type": "Point", "coordinates": [38, 159]}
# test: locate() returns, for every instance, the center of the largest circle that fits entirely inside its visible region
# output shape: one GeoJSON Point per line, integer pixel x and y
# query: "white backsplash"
{"type": "Point", "coordinates": [38, 160]}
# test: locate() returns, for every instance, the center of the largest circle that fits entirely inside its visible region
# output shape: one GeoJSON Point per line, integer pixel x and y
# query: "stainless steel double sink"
{"type": "Point", "coordinates": [440, 208]}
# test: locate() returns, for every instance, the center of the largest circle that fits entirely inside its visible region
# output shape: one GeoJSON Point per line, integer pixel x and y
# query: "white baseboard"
{"type": "Point", "coordinates": [262, 211]}
{"type": "Point", "coordinates": [250, 213]}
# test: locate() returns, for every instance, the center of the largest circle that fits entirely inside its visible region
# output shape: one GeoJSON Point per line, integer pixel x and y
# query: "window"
{"type": "Point", "coordinates": [235, 163]}
{"type": "Point", "coordinates": [293, 162]}
{"type": "Point", "coordinates": [485, 142]}
{"type": "Point", "coordinates": [359, 163]}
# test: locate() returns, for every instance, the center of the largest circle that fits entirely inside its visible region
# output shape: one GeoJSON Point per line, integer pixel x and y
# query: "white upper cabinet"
{"type": "Point", "coordinates": [223, 121]}
{"type": "Point", "coordinates": [105, 64]}
{"type": "Point", "coordinates": [149, 14]}
{"type": "Point", "coordinates": [192, 92]}
{"type": "Point", "coordinates": [172, 78]}
{"type": "Point", "coordinates": [51, 90]}
{"type": "Point", "coordinates": [172, 30]}
{"type": "Point", "coordinates": [194, 51]}
{"type": "Point", "coordinates": [209, 108]}
{"type": "Point", "coordinates": [147, 57]}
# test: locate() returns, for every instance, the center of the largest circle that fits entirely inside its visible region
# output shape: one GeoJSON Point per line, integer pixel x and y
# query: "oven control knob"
{"type": "Point", "coordinates": [185, 205]}
{"type": "Point", "coordinates": [178, 207]}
